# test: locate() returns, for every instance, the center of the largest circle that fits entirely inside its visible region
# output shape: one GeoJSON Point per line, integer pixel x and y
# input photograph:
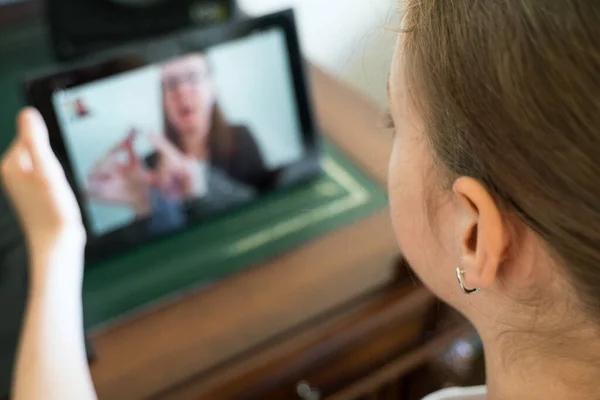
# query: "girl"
{"type": "Point", "coordinates": [493, 186]}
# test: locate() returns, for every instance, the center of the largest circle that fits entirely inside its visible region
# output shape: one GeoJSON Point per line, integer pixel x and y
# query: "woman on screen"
{"type": "Point", "coordinates": [213, 163]}
{"type": "Point", "coordinates": [198, 129]}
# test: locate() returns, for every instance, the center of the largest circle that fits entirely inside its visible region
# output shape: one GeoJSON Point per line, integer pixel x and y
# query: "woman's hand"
{"type": "Point", "coordinates": [125, 183]}
{"type": "Point", "coordinates": [37, 187]}
{"type": "Point", "coordinates": [176, 164]}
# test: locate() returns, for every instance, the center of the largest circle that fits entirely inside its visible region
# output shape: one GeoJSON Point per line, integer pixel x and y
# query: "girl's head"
{"type": "Point", "coordinates": [189, 95]}
{"type": "Point", "coordinates": [495, 166]}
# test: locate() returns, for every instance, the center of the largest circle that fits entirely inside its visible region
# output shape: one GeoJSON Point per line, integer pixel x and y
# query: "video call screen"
{"type": "Point", "coordinates": [160, 145]}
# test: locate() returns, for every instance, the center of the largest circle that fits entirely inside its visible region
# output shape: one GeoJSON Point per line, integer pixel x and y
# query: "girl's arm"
{"type": "Point", "coordinates": [51, 361]}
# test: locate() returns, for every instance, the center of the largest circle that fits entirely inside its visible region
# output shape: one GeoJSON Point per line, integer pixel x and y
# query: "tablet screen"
{"type": "Point", "coordinates": [159, 146]}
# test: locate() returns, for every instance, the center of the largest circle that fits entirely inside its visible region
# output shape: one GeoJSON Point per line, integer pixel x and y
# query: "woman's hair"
{"type": "Point", "coordinates": [220, 137]}
{"type": "Point", "coordinates": [509, 93]}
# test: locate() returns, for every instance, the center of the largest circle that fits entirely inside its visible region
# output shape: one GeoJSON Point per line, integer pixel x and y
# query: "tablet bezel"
{"type": "Point", "coordinates": [39, 91]}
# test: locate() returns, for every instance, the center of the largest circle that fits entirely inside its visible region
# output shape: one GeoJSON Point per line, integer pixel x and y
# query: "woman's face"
{"type": "Point", "coordinates": [188, 95]}
{"type": "Point", "coordinates": [424, 220]}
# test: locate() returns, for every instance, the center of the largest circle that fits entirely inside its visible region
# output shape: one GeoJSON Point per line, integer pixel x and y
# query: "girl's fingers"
{"type": "Point", "coordinates": [9, 165]}
{"type": "Point", "coordinates": [23, 158]}
{"type": "Point", "coordinates": [16, 169]}
{"type": "Point", "coordinates": [33, 136]}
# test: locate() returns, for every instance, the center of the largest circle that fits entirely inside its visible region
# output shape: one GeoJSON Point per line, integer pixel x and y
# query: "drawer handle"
{"type": "Point", "coordinates": [306, 392]}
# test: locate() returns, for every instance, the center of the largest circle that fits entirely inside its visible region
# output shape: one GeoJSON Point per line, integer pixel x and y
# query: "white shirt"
{"type": "Point", "coordinates": [473, 393]}
{"type": "Point", "coordinates": [199, 170]}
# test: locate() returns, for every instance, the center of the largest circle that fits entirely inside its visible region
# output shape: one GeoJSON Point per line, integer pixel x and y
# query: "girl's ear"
{"type": "Point", "coordinates": [483, 236]}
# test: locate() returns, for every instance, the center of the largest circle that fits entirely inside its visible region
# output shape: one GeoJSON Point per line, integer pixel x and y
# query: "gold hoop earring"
{"type": "Point", "coordinates": [459, 276]}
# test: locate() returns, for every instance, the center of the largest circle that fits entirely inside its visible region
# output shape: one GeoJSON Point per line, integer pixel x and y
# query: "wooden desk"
{"type": "Point", "coordinates": [153, 352]}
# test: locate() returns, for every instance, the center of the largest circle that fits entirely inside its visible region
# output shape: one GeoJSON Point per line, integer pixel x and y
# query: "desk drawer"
{"type": "Point", "coordinates": [336, 373]}
{"type": "Point", "coordinates": [327, 355]}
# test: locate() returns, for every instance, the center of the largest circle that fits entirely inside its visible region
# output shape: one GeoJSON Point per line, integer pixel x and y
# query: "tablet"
{"type": "Point", "coordinates": [162, 135]}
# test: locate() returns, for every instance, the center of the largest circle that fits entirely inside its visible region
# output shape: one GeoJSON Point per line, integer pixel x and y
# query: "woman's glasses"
{"type": "Point", "coordinates": [192, 78]}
